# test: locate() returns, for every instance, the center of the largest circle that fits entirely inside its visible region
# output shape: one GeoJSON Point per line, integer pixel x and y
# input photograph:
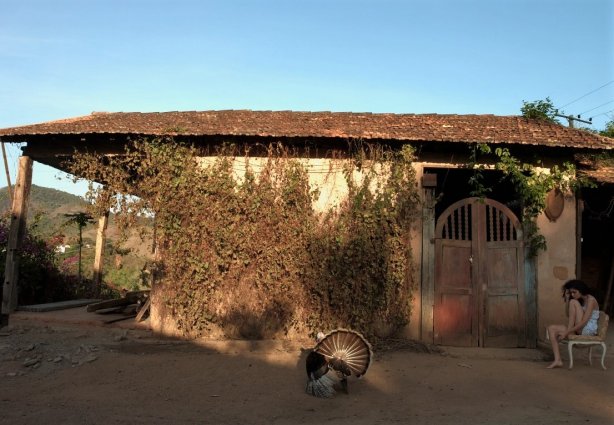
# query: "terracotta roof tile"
{"type": "Point", "coordinates": [401, 127]}
{"type": "Point", "coordinates": [602, 175]}
{"type": "Point", "coordinates": [598, 169]}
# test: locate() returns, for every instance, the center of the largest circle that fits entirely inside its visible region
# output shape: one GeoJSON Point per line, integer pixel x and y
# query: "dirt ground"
{"type": "Point", "coordinates": [60, 373]}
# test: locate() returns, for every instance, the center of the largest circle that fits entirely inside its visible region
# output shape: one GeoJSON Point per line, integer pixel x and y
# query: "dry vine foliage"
{"type": "Point", "coordinates": [247, 253]}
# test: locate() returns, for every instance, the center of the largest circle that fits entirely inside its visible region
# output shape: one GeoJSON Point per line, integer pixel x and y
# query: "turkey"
{"type": "Point", "coordinates": [344, 351]}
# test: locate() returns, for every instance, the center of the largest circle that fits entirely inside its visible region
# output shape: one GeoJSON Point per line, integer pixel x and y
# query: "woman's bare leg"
{"type": "Point", "coordinates": [554, 331]}
{"type": "Point", "coordinates": [575, 313]}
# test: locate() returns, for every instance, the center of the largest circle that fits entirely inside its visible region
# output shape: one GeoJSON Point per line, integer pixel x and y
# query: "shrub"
{"type": "Point", "coordinates": [40, 278]}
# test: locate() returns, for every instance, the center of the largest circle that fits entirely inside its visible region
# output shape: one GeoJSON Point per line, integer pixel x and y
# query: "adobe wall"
{"type": "Point", "coordinates": [555, 265]}
{"type": "Point", "coordinates": [326, 175]}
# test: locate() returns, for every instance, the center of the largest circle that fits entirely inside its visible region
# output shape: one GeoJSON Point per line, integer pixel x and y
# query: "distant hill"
{"type": "Point", "coordinates": [46, 199]}
{"type": "Point", "coordinates": [46, 212]}
{"type": "Point", "coordinates": [47, 208]}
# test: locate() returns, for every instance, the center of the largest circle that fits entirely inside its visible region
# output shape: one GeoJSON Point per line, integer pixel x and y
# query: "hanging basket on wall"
{"type": "Point", "coordinates": [555, 203]}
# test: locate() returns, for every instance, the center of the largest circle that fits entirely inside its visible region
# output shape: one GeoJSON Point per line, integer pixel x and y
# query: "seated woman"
{"type": "Point", "coordinates": [583, 313]}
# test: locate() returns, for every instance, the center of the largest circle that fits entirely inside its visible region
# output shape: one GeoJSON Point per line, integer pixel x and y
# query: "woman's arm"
{"type": "Point", "coordinates": [591, 305]}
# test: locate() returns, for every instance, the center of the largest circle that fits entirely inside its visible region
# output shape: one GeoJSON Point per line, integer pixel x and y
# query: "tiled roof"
{"type": "Point", "coordinates": [602, 175]}
{"type": "Point", "coordinates": [401, 127]}
{"type": "Point", "coordinates": [595, 168]}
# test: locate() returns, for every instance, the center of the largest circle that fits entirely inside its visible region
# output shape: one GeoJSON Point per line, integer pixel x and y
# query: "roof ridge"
{"type": "Point", "coordinates": [467, 128]}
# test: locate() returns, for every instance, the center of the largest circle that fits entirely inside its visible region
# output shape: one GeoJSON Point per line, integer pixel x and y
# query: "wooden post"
{"type": "Point", "coordinates": [16, 235]}
{"type": "Point", "coordinates": [154, 242]}
{"type": "Point", "coordinates": [608, 294]}
{"type": "Point", "coordinates": [579, 213]}
{"type": "Point", "coordinates": [100, 242]}
{"type": "Point", "coordinates": [429, 184]}
{"type": "Point", "coordinates": [530, 296]}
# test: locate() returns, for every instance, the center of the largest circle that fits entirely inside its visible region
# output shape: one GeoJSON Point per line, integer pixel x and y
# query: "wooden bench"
{"type": "Point", "coordinates": [591, 341]}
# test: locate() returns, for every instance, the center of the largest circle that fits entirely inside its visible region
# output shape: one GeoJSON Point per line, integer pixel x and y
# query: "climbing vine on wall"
{"type": "Point", "coordinates": [242, 248]}
{"type": "Point", "coordinates": [531, 181]}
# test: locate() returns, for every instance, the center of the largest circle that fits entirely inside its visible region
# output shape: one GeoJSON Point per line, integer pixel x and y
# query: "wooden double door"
{"type": "Point", "coordinates": [479, 276]}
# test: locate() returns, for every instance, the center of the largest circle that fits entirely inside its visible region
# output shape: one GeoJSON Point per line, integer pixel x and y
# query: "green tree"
{"type": "Point", "coordinates": [609, 129]}
{"type": "Point", "coordinates": [539, 109]}
{"type": "Point", "coordinates": [81, 219]}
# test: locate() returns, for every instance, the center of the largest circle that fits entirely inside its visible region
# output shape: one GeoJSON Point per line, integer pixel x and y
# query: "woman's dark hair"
{"type": "Point", "coordinates": [577, 284]}
{"type": "Point", "coordinates": [567, 286]}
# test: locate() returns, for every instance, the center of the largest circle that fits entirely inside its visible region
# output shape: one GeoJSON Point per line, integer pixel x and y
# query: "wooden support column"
{"type": "Point", "coordinates": [608, 292]}
{"type": "Point", "coordinates": [16, 235]}
{"type": "Point", "coordinates": [429, 184]}
{"type": "Point", "coordinates": [579, 230]}
{"type": "Point", "coordinates": [100, 242]}
{"type": "Point", "coordinates": [530, 297]}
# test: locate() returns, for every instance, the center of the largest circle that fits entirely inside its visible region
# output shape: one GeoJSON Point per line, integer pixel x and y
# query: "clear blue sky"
{"type": "Point", "coordinates": [66, 58]}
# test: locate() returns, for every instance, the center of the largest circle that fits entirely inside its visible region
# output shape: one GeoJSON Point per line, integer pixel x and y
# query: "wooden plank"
{"type": "Point", "coordinates": [100, 241]}
{"type": "Point", "coordinates": [119, 319]}
{"type": "Point", "coordinates": [504, 312]}
{"type": "Point", "coordinates": [530, 279]}
{"type": "Point", "coordinates": [428, 266]}
{"type": "Point", "coordinates": [144, 309]}
{"type": "Point", "coordinates": [108, 304]}
{"type": "Point", "coordinates": [136, 296]}
{"type": "Point", "coordinates": [60, 305]}
{"type": "Point", "coordinates": [132, 297]}
{"type": "Point", "coordinates": [579, 213]}
{"type": "Point", "coordinates": [480, 269]}
{"type": "Point", "coordinates": [113, 310]}
{"type": "Point", "coordinates": [454, 310]}
{"type": "Point", "coordinates": [505, 307]}
{"type": "Point", "coordinates": [65, 147]}
{"type": "Point", "coordinates": [608, 293]}
{"type": "Point", "coordinates": [16, 235]}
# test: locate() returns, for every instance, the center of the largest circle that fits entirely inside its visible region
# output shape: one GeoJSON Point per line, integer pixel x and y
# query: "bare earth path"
{"type": "Point", "coordinates": [94, 375]}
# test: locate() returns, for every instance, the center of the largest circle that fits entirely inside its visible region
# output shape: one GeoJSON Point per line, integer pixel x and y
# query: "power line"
{"type": "Point", "coordinates": [604, 113]}
{"type": "Point", "coordinates": [596, 107]}
{"type": "Point", "coordinates": [590, 92]}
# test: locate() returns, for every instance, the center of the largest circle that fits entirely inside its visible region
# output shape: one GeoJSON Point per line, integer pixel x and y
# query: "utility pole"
{"type": "Point", "coordinates": [570, 119]}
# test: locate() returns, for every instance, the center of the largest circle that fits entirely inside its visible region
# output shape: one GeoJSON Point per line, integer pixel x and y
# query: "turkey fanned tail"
{"type": "Point", "coordinates": [346, 351]}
